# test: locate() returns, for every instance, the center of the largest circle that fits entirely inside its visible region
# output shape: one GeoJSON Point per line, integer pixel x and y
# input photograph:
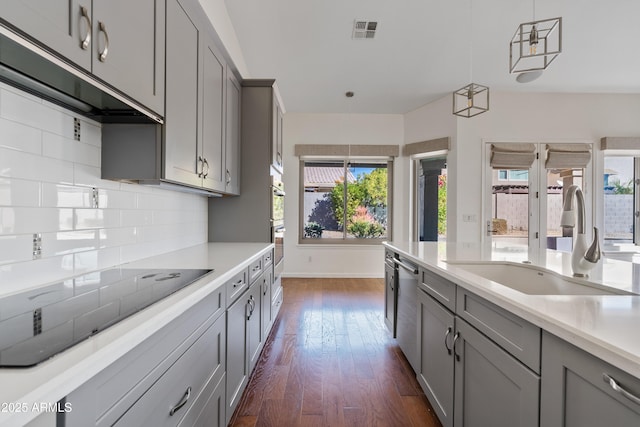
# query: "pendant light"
{"type": "Point", "coordinates": [534, 46]}
{"type": "Point", "coordinates": [472, 99]}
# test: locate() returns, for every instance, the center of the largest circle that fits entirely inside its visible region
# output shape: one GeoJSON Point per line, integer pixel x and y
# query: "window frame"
{"type": "Point", "coordinates": [345, 160]}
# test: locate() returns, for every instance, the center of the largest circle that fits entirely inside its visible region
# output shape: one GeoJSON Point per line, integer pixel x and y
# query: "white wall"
{"type": "Point", "coordinates": [336, 260]}
{"type": "Point", "coordinates": [46, 181]}
{"type": "Point", "coordinates": [217, 13]}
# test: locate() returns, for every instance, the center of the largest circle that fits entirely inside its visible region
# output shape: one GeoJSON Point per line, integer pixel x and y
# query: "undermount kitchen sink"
{"type": "Point", "coordinates": [534, 280]}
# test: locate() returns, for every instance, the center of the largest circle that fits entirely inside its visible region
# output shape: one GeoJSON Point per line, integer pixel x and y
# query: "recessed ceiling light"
{"type": "Point", "coordinates": [528, 76]}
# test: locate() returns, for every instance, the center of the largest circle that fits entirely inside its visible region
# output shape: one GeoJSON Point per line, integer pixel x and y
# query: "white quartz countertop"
{"type": "Point", "coordinates": [53, 379]}
{"type": "Point", "coordinates": [606, 326]}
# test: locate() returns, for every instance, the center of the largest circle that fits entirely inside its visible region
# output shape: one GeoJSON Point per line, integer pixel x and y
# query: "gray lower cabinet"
{"type": "Point", "coordinates": [470, 378]}
{"type": "Point", "coordinates": [492, 388]}
{"type": "Point", "coordinates": [580, 390]}
{"type": "Point", "coordinates": [244, 342]}
{"type": "Point", "coordinates": [265, 302]}
{"type": "Point", "coordinates": [174, 394]}
{"type": "Point", "coordinates": [174, 365]}
{"type": "Point", "coordinates": [436, 329]}
{"type": "Point", "coordinates": [119, 41]}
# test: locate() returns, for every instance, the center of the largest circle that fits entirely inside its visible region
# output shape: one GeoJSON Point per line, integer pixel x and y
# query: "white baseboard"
{"type": "Point", "coordinates": [332, 275]}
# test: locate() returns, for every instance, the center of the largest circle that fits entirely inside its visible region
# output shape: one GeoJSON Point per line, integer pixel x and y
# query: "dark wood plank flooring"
{"type": "Point", "coordinates": [330, 361]}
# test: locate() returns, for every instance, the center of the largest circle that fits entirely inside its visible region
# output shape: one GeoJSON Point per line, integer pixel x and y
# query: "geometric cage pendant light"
{"type": "Point", "coordinates": [534, 46]}
{"type": "Point", "coordinates": [472, 99]}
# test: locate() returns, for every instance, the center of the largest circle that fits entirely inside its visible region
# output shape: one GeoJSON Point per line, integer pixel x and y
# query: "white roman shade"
{"type": "Point", "coordinates": [621, 145]}
{"type": "Point", "coordinates": [423, 147]}
{"type": "Point", "coordinates": [371, 151]}
{"type": "Point", "coordinates": [568, 156]}
{"type": "Point", "coordinates": [512, 156]}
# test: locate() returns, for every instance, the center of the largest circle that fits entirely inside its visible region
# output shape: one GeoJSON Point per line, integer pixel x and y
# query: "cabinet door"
{"type": "Point", "coordinates": [265, 299]}
{"type": "Point", "coordinates": [390, 302]}
{"type": "Point", "coordinates": [232, 133]}
{"type": "Point", "coordinates": [436, 330]}
{"type": "Point", "coordinates": [254, 327]}
{"type": "Point", "coordinates": [276, 150]}
{"type": "Point", "coordinates": [181, 114]}
{"type": "Point", "coordinates": [237, 360]}
{"type": "Point", "coordinates": [60, 25]}
{"type": "Point", "coordinates": [576, 394]}
{"type": "Point", "coordinates": [491, 387]}
{"type": "Point", "coordinates": [213, 118]}
{"type": "Point", "coordinates": [128, 48]}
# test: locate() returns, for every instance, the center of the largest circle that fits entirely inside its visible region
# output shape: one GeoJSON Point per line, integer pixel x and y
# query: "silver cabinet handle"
{"type": "Point", "coordinates": [455, 340]}
{"type": "Point", "coordinates": [201, 161]}
{"type": "Point", "coordinates": [183, 401]}
{"type": "Point", "coordinates": [86, 41]}
{"type": "Point", "coordinates": [252, 306]}
{"type": "Point", "coordinates": [446, 340]}
{"type": "Point", "coordinates": [102, 56]}
{"type": "Point", "coordinates": [238, 283]}
{"type": "Point", "coordinates": [266, 287]}
{"type": "Point", "coordinates": [228, 177]}
{"type": "Point", "coordinates": [205, 162]}
{"type": "Point", "coordinates": [618, 389]}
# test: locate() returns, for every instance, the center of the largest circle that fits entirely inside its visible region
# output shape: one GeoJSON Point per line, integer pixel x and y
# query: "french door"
{"type": "Point", "coordinates": [524, 192]}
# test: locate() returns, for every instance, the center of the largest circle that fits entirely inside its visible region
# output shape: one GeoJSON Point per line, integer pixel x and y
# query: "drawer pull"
{"type": "Point", "coordinates": [446, 340]}
{"type": "Point", "coordinates": [256, 268]}
{"type": "Point", "coordinates": [183, 401]}
{"type": "Point", "coordinates": [618, 389]}
{"type": "Point", "coordinates": [238, 283]}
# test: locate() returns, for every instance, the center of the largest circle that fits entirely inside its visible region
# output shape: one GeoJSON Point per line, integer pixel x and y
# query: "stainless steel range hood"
{"type": "Point", "coordinates": [32, 68]}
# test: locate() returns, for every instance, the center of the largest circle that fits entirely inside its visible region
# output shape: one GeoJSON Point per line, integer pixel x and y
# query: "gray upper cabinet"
{"type": "Point", "coordinates": [276, 145]}
{"type": "Point", "coordinates": [212, 110]}
{"type": "Point", "coordinates": [128, 48]}
{"type": "Point", "coordinates": [578, 389]}
{"type": "Point", "coordinates": [181, 161]}
{"type": "Point", "coordinates": [232, 134]}
{"type": "Point", "coordinates": [199, 142]}
{"type": "Point", "coordinates": [64, 26]}
{"type": "Point", "coordinates": [119, 41]}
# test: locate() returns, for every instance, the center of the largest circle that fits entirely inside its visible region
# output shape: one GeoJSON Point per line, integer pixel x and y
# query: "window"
{"type": "Point", "coordinates": [513, 175]}
{"type": "Point", "coordinates": [619, 195]}
{"type": "Point", "coordinates": [345, 201]}
{"type": "Point", "coordinates": [431, 200]}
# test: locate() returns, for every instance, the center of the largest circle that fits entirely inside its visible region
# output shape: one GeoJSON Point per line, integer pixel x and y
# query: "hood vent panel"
{"type": "Point", "coordinates": [29, 67]}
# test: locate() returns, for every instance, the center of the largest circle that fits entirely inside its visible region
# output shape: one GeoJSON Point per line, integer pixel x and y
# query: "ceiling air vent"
{"type": "Point", "coordinates": [364, 29]}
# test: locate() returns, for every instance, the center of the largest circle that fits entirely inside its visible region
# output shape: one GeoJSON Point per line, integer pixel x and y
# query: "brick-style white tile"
{"type": "Point", "coordinates": [20, 137]}
{"type": "Point", "coordinates": [66, 196]}
{"type": "Point", "coordinates": [16, 248]}
{"type": "Point", "coordinates": [19, 193]}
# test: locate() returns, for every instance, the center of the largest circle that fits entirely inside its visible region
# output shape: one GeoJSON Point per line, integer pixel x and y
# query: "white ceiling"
{"type": "Point", "coordinates": [421, 51]}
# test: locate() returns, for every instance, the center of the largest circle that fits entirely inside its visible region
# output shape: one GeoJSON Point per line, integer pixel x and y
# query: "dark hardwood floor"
{"type": "Point", "coordinates": [330, 361]}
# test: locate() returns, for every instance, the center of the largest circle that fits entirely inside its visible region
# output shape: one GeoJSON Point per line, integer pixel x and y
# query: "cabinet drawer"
{"type": "Point", "coordinates": [255, 268]}
{"type": "Point", "coordinates": [209, 408]}
{"type": "Point", "coordinates": [439, 288]}
{"type": "Point", "coordinates": [174, 393]}
{"type": "Point", "coordinates": [267, 259]}
{"type": "Point", "coordinates": [514, 334]}
{"type": "Point", "coordinates": [236, 286]}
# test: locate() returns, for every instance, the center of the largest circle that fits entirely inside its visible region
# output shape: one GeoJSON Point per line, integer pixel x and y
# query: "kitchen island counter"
{"type": "Point", "coordinates": [603, 325]}
{"type": "Point", "coordinates": [27, 393]}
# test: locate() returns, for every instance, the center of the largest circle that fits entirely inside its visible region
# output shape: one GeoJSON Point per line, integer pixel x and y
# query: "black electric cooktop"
{"type": "Point", "coordinates": [39, 323]}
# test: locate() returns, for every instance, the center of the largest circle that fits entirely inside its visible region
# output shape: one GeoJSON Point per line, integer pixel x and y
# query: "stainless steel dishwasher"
{"type": "Point", "coordinates": [407, 294]}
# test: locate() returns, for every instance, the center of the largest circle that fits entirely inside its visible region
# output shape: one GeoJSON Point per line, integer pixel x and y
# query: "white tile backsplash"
{"type": "Point", "coordinates": [46, 186]}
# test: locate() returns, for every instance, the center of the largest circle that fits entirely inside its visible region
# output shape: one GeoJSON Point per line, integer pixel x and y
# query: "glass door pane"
{"type": "Point", "coordinates": [510, 210]}
{"type": "Point", "coordinates": [431, 199]}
